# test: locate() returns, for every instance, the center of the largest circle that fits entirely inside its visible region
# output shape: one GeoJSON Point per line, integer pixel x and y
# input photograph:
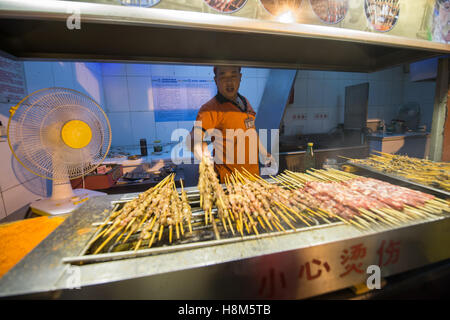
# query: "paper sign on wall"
{"type": "Point", "coordinates": [180, 98]}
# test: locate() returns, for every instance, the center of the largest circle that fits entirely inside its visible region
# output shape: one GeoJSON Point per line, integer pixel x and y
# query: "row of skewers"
{"type": "Point", "coordinates": [248, 204]}
{"type": "Point", "coordinates": [364, 202]}
{"type": "Point", "coordinates": [426, 172]}
{"type": "Point", "coordinates": [147, 216]}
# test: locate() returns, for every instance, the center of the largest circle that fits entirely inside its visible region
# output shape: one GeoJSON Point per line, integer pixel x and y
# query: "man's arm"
{"type": "Point", "coordinates": [199, 147]}
{"type": "Point", "coordinates": [206, 119]}
{"type": "Point", "coordinates": [264, 155]}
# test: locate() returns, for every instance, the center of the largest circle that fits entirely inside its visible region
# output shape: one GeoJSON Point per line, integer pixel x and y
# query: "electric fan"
{"type": "Point", "coordinates": [59, 134]}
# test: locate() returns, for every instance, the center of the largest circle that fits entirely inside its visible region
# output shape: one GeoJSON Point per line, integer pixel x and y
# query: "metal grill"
{"type": "Point", "coordinates": [202, 236]}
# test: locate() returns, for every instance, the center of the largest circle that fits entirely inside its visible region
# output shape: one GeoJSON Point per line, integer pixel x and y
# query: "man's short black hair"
{"type": "Point", "coordinates": [215, 69]}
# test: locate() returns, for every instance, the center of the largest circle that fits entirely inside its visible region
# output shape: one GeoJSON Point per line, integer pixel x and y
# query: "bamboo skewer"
{"type": "Point", "coordinates": [107, 240]}
{"type": "Point", "coordinates": [216, 232]}
{"type": "Point", "coordinates": [160, 232]}
{"type": "Point", "coordinates": [152, 239]}
{"type": "Point", "coordinates": [281, 209]}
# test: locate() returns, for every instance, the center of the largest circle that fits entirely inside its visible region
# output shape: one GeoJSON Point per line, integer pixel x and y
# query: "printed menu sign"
{"type": "Point", "coordinates": [180, 98]}
{"type": "Point", "coordinates": [12, 81]}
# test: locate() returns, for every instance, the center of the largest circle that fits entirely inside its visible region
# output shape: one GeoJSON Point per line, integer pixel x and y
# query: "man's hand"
{"type": "Point", "coordinates": [269, 159]}
{"type": "Point", "coordinates": [270, 166]}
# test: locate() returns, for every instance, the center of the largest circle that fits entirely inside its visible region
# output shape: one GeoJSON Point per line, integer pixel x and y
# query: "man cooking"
{"type": "Point", "coordinates": [230, 121]}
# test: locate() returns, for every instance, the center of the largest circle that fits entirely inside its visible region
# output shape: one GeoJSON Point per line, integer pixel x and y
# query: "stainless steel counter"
{"type": "Point", "coordinates": [297, 264]}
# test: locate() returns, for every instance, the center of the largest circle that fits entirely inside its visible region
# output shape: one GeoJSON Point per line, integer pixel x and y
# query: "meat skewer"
{"type": "Point", "coordinates": [149, 214]}
{"type": "Point", "coordinates": [213, 195]}
{"type": "Point", "coordinates": [435, 174]}
{"type": "Point", "coordinates": [356, 197]}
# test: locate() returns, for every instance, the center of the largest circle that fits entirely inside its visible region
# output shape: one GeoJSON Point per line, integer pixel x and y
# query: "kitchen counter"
{"type": "Point", "coordinates": [187, 168]}
{"type": "Point", "coordinates": [294, 160]}
{"type": "Point", "coordinates": [396, 136]}
{"type": "Point", "coordinates": [152, 157]}
{"type": "Point", "coordinates": [413, 144]}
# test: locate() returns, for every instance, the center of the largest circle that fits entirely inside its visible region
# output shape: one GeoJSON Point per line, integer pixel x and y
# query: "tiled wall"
{"type": "Point", "coordinates": [421, 92]}
{"type": "Point", "coordinates": [83, 77]}
{"type": "Point", "coordinates": [129, 99]}
{"type": "Point", "coordinates": [18, 186]}
{"type": "Point", "coordinates": [319, 98]}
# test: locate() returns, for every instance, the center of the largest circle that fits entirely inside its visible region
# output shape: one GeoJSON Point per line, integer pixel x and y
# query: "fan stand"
{"type": "Point", "coordinates": [63, 200]}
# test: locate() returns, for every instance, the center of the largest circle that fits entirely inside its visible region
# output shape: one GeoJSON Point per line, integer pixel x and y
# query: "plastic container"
{"type": "Point", "coordinates": [157, 146]}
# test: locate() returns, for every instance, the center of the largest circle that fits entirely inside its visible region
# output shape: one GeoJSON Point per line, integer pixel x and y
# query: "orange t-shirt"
{"type": "Point", "coordinates": [235, 149]}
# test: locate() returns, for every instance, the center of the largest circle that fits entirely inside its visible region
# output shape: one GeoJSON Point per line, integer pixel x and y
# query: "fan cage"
{"type": "Point", "coordinates": [34, 133]}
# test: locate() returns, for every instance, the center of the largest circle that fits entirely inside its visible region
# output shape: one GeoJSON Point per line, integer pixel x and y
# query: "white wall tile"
{"type": "Point", "coordinates": [289, 116]}
{"type": "Point", "coordinates": [95, 67]}
{"type": "Point", "coordinates": [372, 76]}
{"type": "Point", "coordinates": [164, 130]}
{"type": "Point", "coordinates": [331, 75]}
{"type": "Point", "coordinates": [38, 75]}
{"type": "Point", "coordinates": [114, 69]}
{"type": "Point", "coordinates": [315, 93]}
{"type": "Point", "coordinates": [372, 112]}
{"type": "Point", "coordinates": [297, 130]}
{"type": "Point", "coordinates": [313, 125]}
{"type": "Point", "coordinates": [301, 92]}
{"type": "Point", "coordinates": [249, 72]}
{"type": "Point", "coordinates": [397, 93]}
{"type": "Point", "coordinates": [63, 74]}
{"type": "Point", "coordinates": [317, 75]}
{"type": "Point", "coordinates": [116, 94]}
{"type": "Point", "coordinates": [330, 93]}
{"type": "Point", "coordinates": [302, 74]}
{"type": "Point", "coordinates": [21, 195]}
{"type": "Point", "coordinates": [184, 71]}
{"type": "Point", "coordinates": [204, 71]}
{"type": "Point", "coordinates": [263, 72]}
{"type": "Point", "coordinates": [249, 89]}
{"type": "Point", "coordinates": [379, 75]}
{"type": "Point", "coordinates": [377, 87]}
{"type": "Point", "coordinates": [385, 93]}
{"type": "Point", "coordinates": [327, 125]}
{"type": "Point", "coordinates": [87, 81]}
{"type": "Point", "coordinates": [162, 70]}
{"type": "Point", "coordinates": [397, 73]}
{"type": "Point", "coordinates": [333, 117]}
{"type": "Point", "coordinates": [380, 113]}
{"type": "Point", "coordinates": [346, 83]}
{"type": "Point", "coordinates": [345, 76]}
{"type": "Point", "coordinates": [360, 76]}
{"type": "Point", "coordinates": [261, 85]}
{"type": "Point", "coordinates": [143, 126]}
{"type": "Point", "coordinates": [185, 125]}
{"type": "Point", "coordinates": [122, 134]}
{"type": "Point", "coordinates": [12, 173]}
{"type": "Point", "coordinates": [140, 93]}
{"type": "Point", "coordinates": [138, 69]}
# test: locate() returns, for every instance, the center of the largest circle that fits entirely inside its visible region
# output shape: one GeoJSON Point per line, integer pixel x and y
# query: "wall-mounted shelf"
{"type": "Point", "coordinates": [37, 30]}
